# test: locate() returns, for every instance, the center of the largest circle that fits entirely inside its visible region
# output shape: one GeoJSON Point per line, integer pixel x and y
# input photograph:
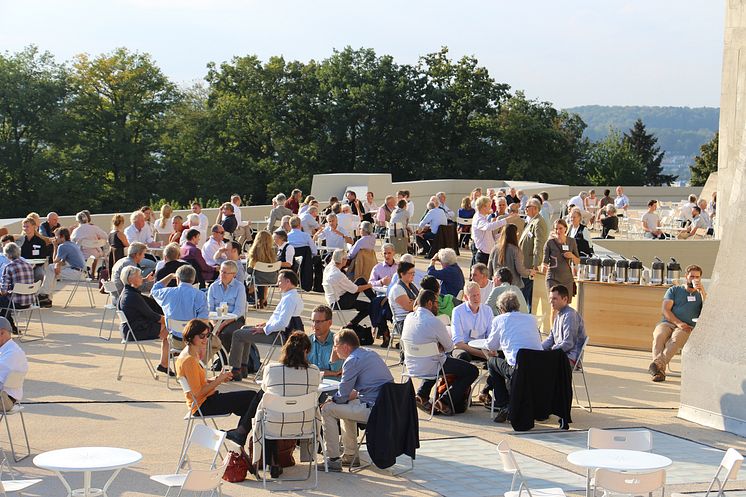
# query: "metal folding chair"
{"type": "Point", "coordinates": [26, 289]}
{"type": "Point", "coordinates": [425, 350]}
{"type": "Point", "coordinates": [14, 381]}
{"type": "Point", "coordinates": [85, 279]}
{"type": "Point", "coordinates": [129, 336]}
{"type": "Point", "coordinates": [110, 305]}
{"type": "Point", "coordinates": [578, 368]}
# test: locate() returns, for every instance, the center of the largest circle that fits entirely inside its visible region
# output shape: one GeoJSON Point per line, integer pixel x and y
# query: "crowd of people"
{"type": "Point", "coordinates": [170, 271]}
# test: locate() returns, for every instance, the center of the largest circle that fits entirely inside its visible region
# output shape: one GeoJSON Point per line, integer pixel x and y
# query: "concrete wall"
{"type": "Point", "coordinates": [713, 383]}
{"type": "Point", "coordinates": [699, 252]}
{"type": "Point", "coordinates": [639, 196]}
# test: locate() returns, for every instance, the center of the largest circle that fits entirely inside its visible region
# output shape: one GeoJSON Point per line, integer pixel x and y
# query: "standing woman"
{"type": "Point", "coordinates": [163, 225]}
{"type": "Point", "coordinates": [559, 251]}
{"type": "Point", "coordinates": [507, 254]}
{"type": "Point", "coordinates": [117, 241]}
{"type": "Point", "coordinates": [262, 250]}
{"type": "Point", "coordinates": [209, 400]}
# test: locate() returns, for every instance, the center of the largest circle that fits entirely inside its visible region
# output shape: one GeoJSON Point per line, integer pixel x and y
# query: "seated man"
{"type": "Point", "coordinates": [193, 255]}
{"type": "Point", "coordinates": [698, 222]}
{"type": "Point", "coordinates": [450, 274]}
{"type": "Point", "coordinates": [16, 272]}
{"type": "Point", "coordinates": [308, 220]}
{"type": "Point", "coordinates": [681, 304]}
{"type": "Point", "coordinates": [470, 321]}
{"type": "Point", "coordinates": [363, 375]}
{"type": "Point", "coordinates": [651, 223]}
{"type": "Point", "coordinates": [480, 275]}
{"type": "Point", "coordinates": [215, 247]}
{"type": "Point", "coordinates": [12, 360]}
{"type": "Point", "coordinates": [428, 228]}
{"type": "Point", "coordinates": [366, 241]}
{"type": "Point", "coordinates": [299, 238]}
{"type": "Point", "coordinates": [568, 329]}
{"type": "Point", "coordinates": [230, 290]}
{"type": "Point", "coordinates": [275, 216]}
{"type": "Point", "coordinates": [338, 288]}
{"type": "Point", "coordinates": [347, 220]}
{"type": "Point", "coordinates": [285, 251]}
{"type": "Point", "coordinates": [334, 236]}
{"type": "Point", "coordinates": [145, 323]}
{"type": "Point", "coordinates": [504, 283]}
{"type": "Point", "coordinates": [140, 231]}
{"type": "Point", "coordinates": [51, 225]}
{"type": "Point", "coordinates": [511, 331]}
{"type": "Point", "coordinates": [380, 277]}
{"type": "Point", "coordinates": [609, 221]}
{"type": "Point", "coordinates": [322, 343]}
{"type": "Point", "coordinates": [170, 263]}
{"type": "Point", "coordinates": [228, 220]}
{"type": "Point", "coordinates": [70, 261]}
{"type": "Point", "coordinates": [183, 302]}
{"type": "Point", "coordinates": [135, 256]}
{"type": "Point", "coordinates": [421, 327]}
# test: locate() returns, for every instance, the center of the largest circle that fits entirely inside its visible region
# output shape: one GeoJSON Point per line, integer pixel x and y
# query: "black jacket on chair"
{"type": "Point", "coordinates": [541, 385]}
{"type": "Point", "coordinates": [306, 267]}
{"type": "Point", "coordinates": [393, 426]}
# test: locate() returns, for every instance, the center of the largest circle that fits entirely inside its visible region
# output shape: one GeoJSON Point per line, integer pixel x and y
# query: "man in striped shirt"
{"type": "Point", "coordinates": [16, 272]}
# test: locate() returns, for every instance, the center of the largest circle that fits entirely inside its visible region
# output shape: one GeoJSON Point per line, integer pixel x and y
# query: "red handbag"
{"type": "Point", "coordinates": [238, 467]}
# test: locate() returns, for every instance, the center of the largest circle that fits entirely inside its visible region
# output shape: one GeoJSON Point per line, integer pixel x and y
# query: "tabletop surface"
{"type": "Point", "coordinates": [87, 459]}
{"type": "Point", "coordinates": [479, 343]}
{"type": "Point", "coordinates": [619, 459]}
{"type": "Point", "coordinates": [228, 315]}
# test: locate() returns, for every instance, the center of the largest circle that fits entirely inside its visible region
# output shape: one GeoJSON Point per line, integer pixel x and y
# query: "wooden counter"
{"type": "Point", "coordinates": [617, 315]}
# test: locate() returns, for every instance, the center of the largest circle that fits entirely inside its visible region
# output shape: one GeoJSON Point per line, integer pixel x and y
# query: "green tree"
{"type": "Point", "coordinates": [612, 161]}
{"type": "Point", "coordinates": [33, 88]}
{"type": "Point", "coordinates": [706, 162]}
{"type": "Point", "coordinates": [644, 144]}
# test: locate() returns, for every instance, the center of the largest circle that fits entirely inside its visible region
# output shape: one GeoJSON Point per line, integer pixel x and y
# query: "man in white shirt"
{"type": "Point", "coordinates": [698, 222]}
{"type": "Point", "coordinates": [203, 222]}
{"type": "Point", "coordinates": [428, 227]}
{"type": "Point", "coordinates": [339, 289]}
{"type": "Point", "coordinates": [347, 220]}
{"type": "Point", "coordinates": [139, 230]}
{"type": "Point", "coordinates": [482, 228]}
{"type": "Point", "coordinates": [511, 331]}
{"type": "Point", "coordinates": [299, 238]}
{"type": "Point", "coordinates": [579, 202]}
{"type": "Point", "coordinates": [651, 222]}
{"type": "Point", "coordinates": [12, 360]}
{"type": "Point", "coordinates": [421, 327]}
{"type": "Point", "coordinates": [442, 201]}
{"type": "Point", "coordinates": [308, 220]}
{"type": "Point", "coordinates": [285, 251]}
{"type": "Point", "coordinates": [470, 320]}
{"type": "Point", "coordinates": [286, 317]}
{"type": "Point", "coordinates": [334, 236]}
{"type": "Point", "coordinates": [686, 210]}
{"type": "Point", "coordinates": [621, 201]}
{"type": "Point", "coordinates": [243, 230]}
{"type": "Point", "coordinates": [215, 248]}
{"type": "Point", "coordinates": [481, 276]}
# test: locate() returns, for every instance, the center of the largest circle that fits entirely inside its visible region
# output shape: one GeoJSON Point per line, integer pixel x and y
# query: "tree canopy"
{"type": "Point", "coordinates": [706, 162]}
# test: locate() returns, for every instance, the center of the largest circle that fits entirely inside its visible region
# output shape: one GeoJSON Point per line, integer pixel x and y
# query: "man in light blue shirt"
{"type": "Point", "coordinates": [363, 375]}
{"type": "Point", "coordinates": [69, 261]}
{"type": "Point", "coordinates": [290, 306]}
{"type": "Point", "coordinates": [299, 238]}
{"type": "Point", "coordinates": [334, 235]}
{"type": "Point", "coordinates": [366, 241]}
{"type": "Point", "coordinates": [230, 290]}
{"type": "Point", "coordinates": [183, 302]}
{"type": "Point", "coordinates": [470, 320]}
{"type": "Point", "coordinates": [322, 343]}
{"type": "Point", "coordinates": [568, 329]}
{"type": "Point", "coordinates": [434, 219]}
{"type": "Point", "coordinates": [308, 220]}
{"type": "Point", "coordinates": [511, 331]}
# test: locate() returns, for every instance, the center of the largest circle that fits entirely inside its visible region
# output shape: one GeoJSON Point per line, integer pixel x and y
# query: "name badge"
{"type": "Point", "coordinates": [473, 333]}
{"type": "Point", "coordinates": [565, 247]}
{"type": "Point", "coordinates": [530, 235]}
{"type": "Point", "coordinates": [691, 298]}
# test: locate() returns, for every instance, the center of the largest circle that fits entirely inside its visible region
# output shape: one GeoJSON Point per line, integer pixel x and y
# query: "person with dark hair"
{"type": "Point", "coordinates": [208, 399]}
{"type": "Point", "coordinates": [322, 342]}
{"type": "Point", "coordinates": [606, 200]}
{"type": "Point", "coordinates": [503, 282]}
{"type": "Point", "coordinates": [568, 329]}
{"type": "Point", "coordinates": [17, 271]}
{"type": "Point", "coordinates": [559, 251]}
{"type": "Point", "coordinates": [363, 375]}
{"type": "Point", "coordinates": [402, 296]}
{"type": "Point", "coordinates": [422, 327]}
{"type": "Point", "coordinates": [69, 259]}
{"type": "Point", "coordinates": [446, 303]}
{"type": "Point", "coordinates": [193, 255]}
{"type": "Point", "coordinates": [698, 222]}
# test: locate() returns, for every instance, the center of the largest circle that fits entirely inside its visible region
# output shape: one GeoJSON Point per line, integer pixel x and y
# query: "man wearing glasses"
{"type": "Point", "coordinates": [228, 289]}
{"type": "Point", "coordinates": [322, 343]}
{"type": "Point", "coordinates": [215, 247]}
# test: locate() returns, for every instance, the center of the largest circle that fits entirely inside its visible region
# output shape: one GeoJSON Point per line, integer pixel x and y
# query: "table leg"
{"type": "Point", "coordinates": [588, 482]}
{"type": "Point", "coordinates": [64, 482]}
{"type": "Point", "coordinates": [109, 482]}
{"type": "Point", "coordinates": [87, 483]}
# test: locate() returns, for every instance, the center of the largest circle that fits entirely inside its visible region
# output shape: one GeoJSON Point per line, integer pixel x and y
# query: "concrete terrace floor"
{"type": "Point", "coordinates": [72, 398]}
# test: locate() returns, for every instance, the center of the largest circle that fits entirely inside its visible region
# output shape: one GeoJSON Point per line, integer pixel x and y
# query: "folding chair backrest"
{"type": "Point", "coordinates": [730, 464]}
{"type": "Point", "coordinates": [176, 325]}
{"type": "Point", "coordinates": [110, 287]}
{"type": "Point", "coordinates": [630, 483]}
{"type": "Point", "coordinates": [420, 349]}
{"type": "Point", "coordinates": [506, 456]}
{"type": "Point", "coordinates": [267, 267]}
{"type": "Point", "coordinates": [206, 437]}
{"type": "Point", "coordinates": [26, 289]}
{"type": "Point", "coordinates": [581, 355]}
{"type": "Point", "coordinates": [466, 221]}
{"type": "Point", "coordinates": [90, 262]}
{"type": "Point", "coordinates": [14, 380]}
{"type": "Point", "coordinates": [202, 480]}
{"type": "Point", "coordinates": [620, 439]}
{"type": "Point", "coordinates": [288, 405]}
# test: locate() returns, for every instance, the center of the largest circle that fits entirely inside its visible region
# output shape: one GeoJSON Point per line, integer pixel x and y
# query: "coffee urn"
{"type": "Point", "coordinates": [583, 269]}
{"type": "Point", "coordinates": [635, 271]}
{"type": "Point", "coordinates": [673, 272]}
{"type": "Point", "coordinates": [594, 269]}
{"type": "Point", "coordinates": [622, 268]}
{"type": "Point", "coordinates": [607, 269]}
{"type": "Point", "coordinates": [656, 272]}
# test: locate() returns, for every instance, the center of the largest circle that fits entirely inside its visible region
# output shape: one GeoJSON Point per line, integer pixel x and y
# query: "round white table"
{"type": "Point", "coordinates": [481, 344]}
{"type": "Point", "coordinates": [87, 460]}
{"type": "Point", "coordinates": [617, 459]}
{"type": "Point", "coordinates": [326, 385]}
{"type": "Point", "coordinates": [218, 320]}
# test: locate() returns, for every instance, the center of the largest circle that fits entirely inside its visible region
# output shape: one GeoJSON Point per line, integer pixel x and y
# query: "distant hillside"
{"type": "Point", "coordinates": [680, 130]}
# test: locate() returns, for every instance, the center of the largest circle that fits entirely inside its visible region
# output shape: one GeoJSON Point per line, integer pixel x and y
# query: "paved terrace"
{"type": "Point", "coordinates": [74, 399]}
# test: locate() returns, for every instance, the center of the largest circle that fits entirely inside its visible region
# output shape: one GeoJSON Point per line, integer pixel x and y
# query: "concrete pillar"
{"type": "Point", "coordinates": [713, 384]}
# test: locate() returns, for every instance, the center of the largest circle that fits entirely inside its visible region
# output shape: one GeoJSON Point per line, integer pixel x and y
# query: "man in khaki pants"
{"type": "Point", "coordinates": [12, 360]}
{"type": "Point", "coordinates": [681, 306]}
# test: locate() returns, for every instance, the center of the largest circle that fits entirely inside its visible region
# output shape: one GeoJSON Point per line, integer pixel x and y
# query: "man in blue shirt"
{"type": "Point", "coordinates": [70, 261]}
{"type": "Point", "coordinates": [322, 343]}
{"type": "Point", "coordinates": [299, 238]}
{"type": "Point", "coordinates": [230, 290]}
{"type": "Point", "coordinates": [568, 329]}
{"type": "Point", "coordinates": [363, 375]}
{"type": "Point", "coordinates": [182, 303]}
{"type": "Point", "coordinates": [681, 306]}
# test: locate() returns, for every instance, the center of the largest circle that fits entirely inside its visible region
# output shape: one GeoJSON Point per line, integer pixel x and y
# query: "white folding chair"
{"type": "Point", "coordinates": [263, 267]}
{"type": "Point", "coordinates": [174, 326]}
{"type": "Point", "coordinates": [578, 368]}
{"type": "Point", "coordinates": [190, 417]}
{"type": "Point", "coordinates": [336, 307]}
{"type": "Point", "coordinates": [641, 440]}
{"type": "Point", "coordinates": [426, 350]}
{"type": "Point", "coordinates": [393, 334]}
{"type": "Point", "coordinates": [26, 289]}
{"type": "Point", "coordinates": [630, 483]}
{"type": "Point", "coordinates": [731, 463]}
{"type": "Point", "coordinates": [463, 221]}
{"type": "Point", "coordinates": [85, 279]}
{"type": "Point", "coordinates": [110, 305]}
{"type": "Point", "coordinates": [15, 381]}
{"type": "Point", "coordinates": [268, 356]}
{"type": "Point", "coordinates": [308, 406]}
{"type": "Point", "coordinates": [13, 485]}
{"type": "Point", "coordinates": [129, 336]}
{"type": "Point", "coordinates": [510, 465]}
{"type": "Point", "coordinates": [205, 437]}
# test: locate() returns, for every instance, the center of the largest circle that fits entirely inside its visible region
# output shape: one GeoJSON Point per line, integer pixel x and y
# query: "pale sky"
{"type": "Point", "coordinates": [569, 52]}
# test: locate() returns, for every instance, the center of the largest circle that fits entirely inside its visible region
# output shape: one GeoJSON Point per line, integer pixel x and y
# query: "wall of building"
{"type": "Point", "coordinates": [713, 382]}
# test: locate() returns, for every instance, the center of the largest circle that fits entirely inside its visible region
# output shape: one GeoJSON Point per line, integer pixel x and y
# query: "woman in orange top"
{"type": "Point", "coordinates": [209, 400]}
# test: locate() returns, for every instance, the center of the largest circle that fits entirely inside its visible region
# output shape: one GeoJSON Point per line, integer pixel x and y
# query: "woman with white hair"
{"type": "Point", "coordinates": [86, 235]}
{"type": "Point", "coordinates": [366, 242]}
{"type": "Point", "coordinates": [193, 222]}
{"type": "Point", "coordinates": [145, 323]}
{"type": "Point", "coordinates": [450, 274]}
